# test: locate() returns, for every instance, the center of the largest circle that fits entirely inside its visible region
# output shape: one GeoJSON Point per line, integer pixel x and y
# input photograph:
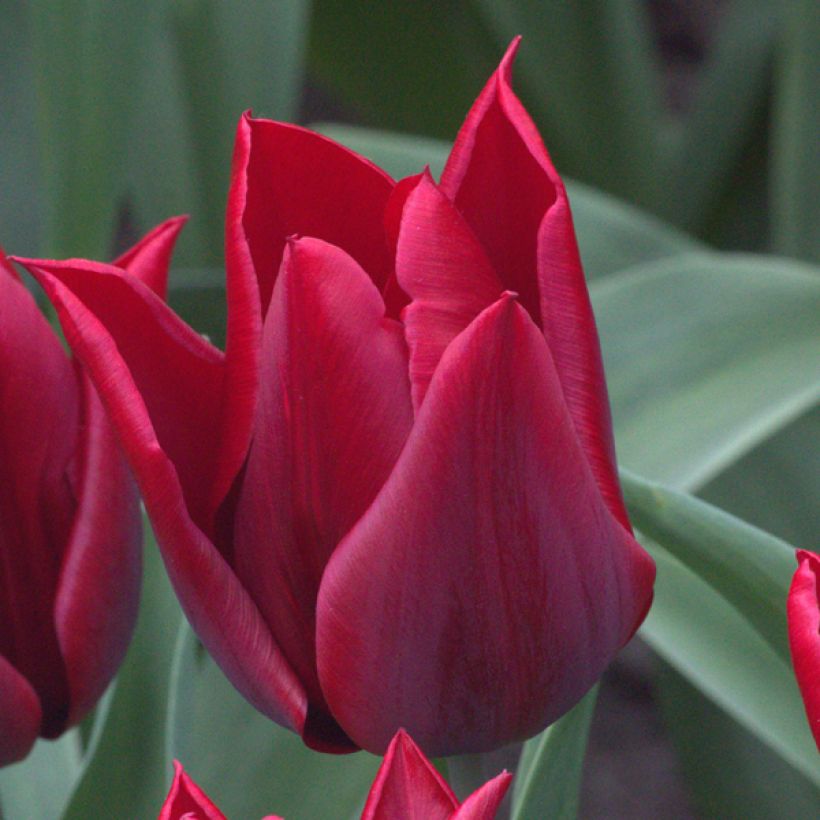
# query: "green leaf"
{"type": "Point", "coordinates": [87, 57]}
{"type": "Point", "coordinates": [124, 773]}
{"type": "Point", "coordinates": [795, 181]}
{"type": "Point", "coordinates": [198, 296]}
{"type": "Point", "coordinates": [38, 787]}
{"type": "Point", "coordinates": [710, 643]}
{"type": "Point", "coordinates": [749, 568]}
{"type": "Point", "coordinates": [706, 356]}
{"type": "Point", "coordinates": [612, 234]}
{"type": "Point", "coordinates": [548, 779]}
{"type": "Point", "coordinates": [248, 765]}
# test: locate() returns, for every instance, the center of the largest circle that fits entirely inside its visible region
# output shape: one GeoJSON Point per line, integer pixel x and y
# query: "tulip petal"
{"type": "Point", "coordinates": [288, 180]}
{"type": "Point", "coordinates": [186, 800]}
{"type": "Point", "coordinates": [178, 374]}
{"type": "Point", "coordinates": [334, 414]}
{"type": "Point", "coordinates": [20, 715]}
{"type": "Point", "coordinates": [150, 258]}
{"type": "Point", "coordinates": [483, 803]}
{"type": "Point", "coordinates": [444, 270]}
{"type": "Point", "coordinates": [408, 785]}
{"type": "Point", "coordinates": [803, 609]}
{"type": "Point", "coordinates": [500, 176]}
{"type": "Point", "coordinates": [38, 438]}
{"type": "Point", "coordinates": [487, 586]}
{"type": "Point", "coordinates": [219, 609]}
{"type": "Point", "coordinates": [98, 596]}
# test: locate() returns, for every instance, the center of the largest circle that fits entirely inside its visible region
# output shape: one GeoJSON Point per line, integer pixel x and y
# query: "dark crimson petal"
{"type": "Point", "coordinates": [38, 438]}
{"type": "Point", "coordinates": [178, 374]}
{"type": "Point", "coordinates": [150, 258]}
{"type": "Point", "coordinates": [98, 594]}
{"type": "Point", "coordinates": [186, 801]}
{"type": "Point", "coordinates": [803, 609]}
{"type": "Point", "coordinates": [334, 414]}
{"type": "Point", "coordinates": [487, 586]}
{"type": "Point", "coordinates": [501, 178]}
{"type": "Point", "coordinates": [218, 607]}
{"type": "Point", "coordinates": [294, 181]}
{"type": "Point", "coordinates": [408, 785]}
{"type": "Point", "coordinates": [483, 803]}
{"type": "Point", "coordinates": [445, 272]}
{"type": "Point", "coordinates": [20, 714]}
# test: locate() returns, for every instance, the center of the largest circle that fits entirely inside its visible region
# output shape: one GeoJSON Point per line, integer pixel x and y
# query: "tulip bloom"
{"type": "Point", "coordinates": [407, 785]}
{"type": "Point", "coordinates": [70, 529]}
{"type": "Point", "coordinates": [803, 610]}
{"type": "Point", "coordinates": [393, 500]}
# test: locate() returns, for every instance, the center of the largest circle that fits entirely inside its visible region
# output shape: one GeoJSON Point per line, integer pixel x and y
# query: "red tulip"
{"type": "Point", "coordinates": [407, 785]}
{"type": "Point", "coordinates": [393, 501]}
{"type": "Point", "coordinates": [803, 608]}
{"type": "Point", "coordinates": [70, 530]}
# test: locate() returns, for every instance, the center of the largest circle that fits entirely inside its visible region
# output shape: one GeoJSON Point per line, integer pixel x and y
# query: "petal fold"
{"type": "Point", "coordinates": [487, 587]}
{"type": "Point", "coordinates": [334, 414]}
{"type": "Point", "coordinates": [20, 715]}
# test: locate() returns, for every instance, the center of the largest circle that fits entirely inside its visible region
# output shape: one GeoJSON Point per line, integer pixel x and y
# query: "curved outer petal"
{"type": "Point", "coordinates": [501, 178]}
{"type": "Point", "coordinates": [334, 414]}
{"type": "Point", "coordinates": [186, 801]}
{"type": "Point", "coordinates": [445, 272]}
{"type": "Point", "coordinates": [98, 595]}
{"type": "Point", "coordinates": [408, 786]}
{"type": "Point", "coordinates": [147, 408]}
{"type": "Point", "coordinates": [20, 714]}
{"type": "Point", "coordinates": [803, 608]}
{"type": "Point", "coordinates": [483, 803]}
{"type": "Point", "coordinates": [487, 587]}
{"type": "Point", "coordinates": [38, 439]}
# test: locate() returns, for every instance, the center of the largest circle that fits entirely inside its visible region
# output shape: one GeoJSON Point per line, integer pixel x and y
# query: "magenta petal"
{"type": "Point", "coordinates": [334, 414]}
{"type": "Point", "coordinates": [803, 609]}
{"type": "Point", "coordinates": [483, 803]}
{"type": "Point", "coordinates": [487, 587]}
{"type": "Point", "coordinates": [97, 599]}
{"type": "Point", "coordinates": [186, 801]}
{"type": "Point", "coordinates": [20, 714]}
{"type": "Point", "coordinates": [445, 272]}
{"type": "Point", "coordinates": [408, 785]}
{"type": "Point", "coordinates": [150, 258]}
{"type": "Point", "coordinates": [218, 607]}
{"type": "Point", "coordinates": [502, 179]}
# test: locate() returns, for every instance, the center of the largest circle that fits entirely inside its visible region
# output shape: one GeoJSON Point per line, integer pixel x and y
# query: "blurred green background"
{"type": "Point", "coordinates": [703, 116]}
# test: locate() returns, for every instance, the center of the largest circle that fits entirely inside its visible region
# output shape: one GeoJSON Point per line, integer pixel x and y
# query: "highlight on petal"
{"type": "Point", "coordinates": [334, 414]}
{"type": "Point", "coordinates": [484, 803]}
{"type": "Point", "coordinates": [442, 267]}
{"type": "Point", "coordinates": [218, 607]}
{"type": "Point", "coordinates": [507, 585]}
{"type": "Point", "coordinates": [186, 801]}
{"type": "Point", "coordinates": [803, 609]}
{"type": "Point", "coordinates": [502, 179]}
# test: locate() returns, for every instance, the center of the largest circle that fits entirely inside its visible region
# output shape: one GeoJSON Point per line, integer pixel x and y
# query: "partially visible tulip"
{"type": "Point", "coordinates": [70, 529]}
{"type": "Point", "coordinates": [803, 610]}
{"type": "Point", "coordinates": [393, 500]}
{"type": "Point", "coordinates": [406, 786]}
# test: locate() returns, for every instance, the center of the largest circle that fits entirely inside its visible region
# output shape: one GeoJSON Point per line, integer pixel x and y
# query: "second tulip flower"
{"type": "Point", "coordinates": [393, 500]}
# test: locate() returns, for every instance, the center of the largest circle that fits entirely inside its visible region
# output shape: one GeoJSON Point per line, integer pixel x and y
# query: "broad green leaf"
{"type": "Point", "coordinates": [248, 765]}
{"type": "Point", "coordinates": [38, 787]}
{"type": "Point", "coordinates": [795, 171]}
{"type": "Point", "coordinates": [87, 54]}
{"type": "Point", "coordinates": [748, 567]}
{"type": "Point", "coordinates": [232, 57]}
{"type": "Point", "coordinates": [124, 774]}
{"type": "Point", "coordinates": [198, 296]}
{"type": "Point", "coordinates": [711, 644]}
{"type": "Point", "coordinates": [706, 356]}
{"type": "Point", "coordinates": [612, 234]}
{"type": "Point", "coordinates": [20, 183]}
{"type": "Point", "coordinates": [548, 779]}
{"type": "Point", "coordinates": [731, 88]}
{"type": "Point", "coordinates": [586, 70]}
